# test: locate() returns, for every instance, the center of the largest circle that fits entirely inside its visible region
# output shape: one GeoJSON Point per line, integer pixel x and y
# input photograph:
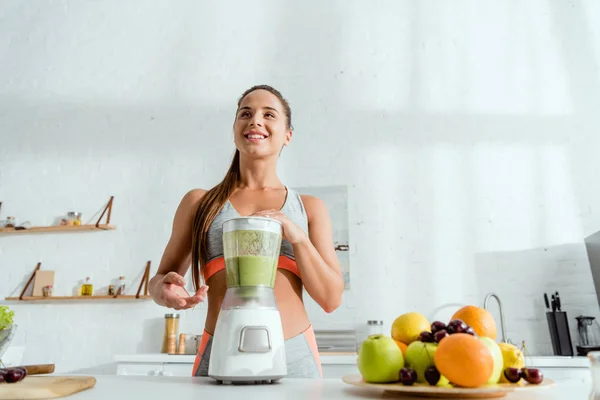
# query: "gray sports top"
{"type": "Point", "coordinates": [293, 208]}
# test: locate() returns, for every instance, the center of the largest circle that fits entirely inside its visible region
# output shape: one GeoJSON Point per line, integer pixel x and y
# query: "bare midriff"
{"type": "Point", "coordinates": [288, 295]}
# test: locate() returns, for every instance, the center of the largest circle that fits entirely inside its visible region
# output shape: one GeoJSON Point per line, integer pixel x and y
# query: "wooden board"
{"type": "Point", "coordinates": [38, 369]}
{"type": "Point", "coordinates": [42, 278]}
{"type": "Point", "coordinates": [46, 387]}
{"type": "Point", "coordinates": [425, 390]}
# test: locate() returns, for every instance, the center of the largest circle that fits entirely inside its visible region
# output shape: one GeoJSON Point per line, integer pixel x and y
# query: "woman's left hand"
{"type": "Point", "coordinates": [291, 232]}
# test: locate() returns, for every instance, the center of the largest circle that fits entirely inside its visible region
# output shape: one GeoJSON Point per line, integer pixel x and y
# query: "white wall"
{"type": "Point", "coordinates": [467, 133]}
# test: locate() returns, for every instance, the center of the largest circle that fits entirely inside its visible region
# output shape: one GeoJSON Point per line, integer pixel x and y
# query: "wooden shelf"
{"type": "Point", "coordinates": [138, 296]}
{"type": "Point", "coordinates": [67, 228]}
{"type": "Point", "coordinates": [59, 298]}
{"type": "Point", "coordinates": [58, 228]}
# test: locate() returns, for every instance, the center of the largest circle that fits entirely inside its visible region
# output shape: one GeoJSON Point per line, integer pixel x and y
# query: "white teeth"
{"type": "Point", "coordinates": [255, 137]}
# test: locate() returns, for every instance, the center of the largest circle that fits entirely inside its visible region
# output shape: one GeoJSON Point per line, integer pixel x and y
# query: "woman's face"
{"type": "Point", "coordinates": [260, 127]}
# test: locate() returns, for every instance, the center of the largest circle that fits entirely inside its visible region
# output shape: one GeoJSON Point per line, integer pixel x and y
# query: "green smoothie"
{"type": "Point", "coordinates": [251, 257]}
{"type": "Point", "coordinates": [251, 271]}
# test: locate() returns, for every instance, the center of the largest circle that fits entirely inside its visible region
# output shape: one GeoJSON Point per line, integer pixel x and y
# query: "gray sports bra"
{"type": "Point", "coordinates": [293, 208]}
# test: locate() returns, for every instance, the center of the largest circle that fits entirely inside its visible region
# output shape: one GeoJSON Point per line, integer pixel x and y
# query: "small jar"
{"type": "Point", "coordinates": [47, 291]}
{"type": "Point", "coordinates": [73, 218]}
{"type": "Point", "coordinates": [111, 290]}
{"type": "Point", "coordinates": [10, 222]}
{"type": "Point", "coordinates": [374, 328]}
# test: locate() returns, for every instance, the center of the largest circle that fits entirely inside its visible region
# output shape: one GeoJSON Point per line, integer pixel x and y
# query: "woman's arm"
{"type": "Point", "coordinates": [315, 255]}
{"type": "Point", "coordinates": [167, 287]}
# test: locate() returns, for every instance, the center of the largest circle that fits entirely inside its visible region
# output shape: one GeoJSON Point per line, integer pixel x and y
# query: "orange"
{"type": "Point", "coordinates": [465, 360]}
{"type": "Point", "coordinates": [481, 320]}
{"type": "Point", "coordinates": [402, 347]}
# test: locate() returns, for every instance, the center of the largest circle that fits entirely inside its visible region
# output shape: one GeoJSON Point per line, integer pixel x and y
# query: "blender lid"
{"type": "Point", "coordinates": [253, 224]}
{"type": "Point", "coordinates": [585, 318]}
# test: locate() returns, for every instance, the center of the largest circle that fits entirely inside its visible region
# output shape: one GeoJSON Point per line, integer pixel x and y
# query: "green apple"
{"type": "Point", "coordinates": [497, 356]}
{"type": "Point", "coordinates": [380, 359]}
{"type": "Point", "coordinates": [419, 356]}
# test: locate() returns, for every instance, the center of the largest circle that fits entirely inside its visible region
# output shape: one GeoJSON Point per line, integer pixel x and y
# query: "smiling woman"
{"type": "Point", "coordinates": [262, 127]}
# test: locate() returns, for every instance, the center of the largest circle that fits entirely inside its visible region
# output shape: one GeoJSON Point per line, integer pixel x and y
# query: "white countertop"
{"type": "Point", "coordinates": [346, 359]}
{"type": "Point", "coordinates": [111, 386]}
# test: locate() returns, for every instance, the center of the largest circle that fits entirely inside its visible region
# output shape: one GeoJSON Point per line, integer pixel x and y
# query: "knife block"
{"type": "Point", "coordinates": [558, 325]}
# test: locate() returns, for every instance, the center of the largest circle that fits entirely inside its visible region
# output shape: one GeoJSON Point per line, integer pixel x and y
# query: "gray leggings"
{"type": "Point", "coordinates": [301, 362]}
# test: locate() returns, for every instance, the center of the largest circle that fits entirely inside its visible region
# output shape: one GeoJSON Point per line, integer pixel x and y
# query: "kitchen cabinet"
{"type": "Point", "coordinates": [140, 369]}
{"type": "Point", "coordinates": [334, 366]}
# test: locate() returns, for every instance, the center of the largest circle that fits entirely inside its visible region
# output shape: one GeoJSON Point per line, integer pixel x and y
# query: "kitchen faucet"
{"type": "Point", "coordinates": [487, 297]}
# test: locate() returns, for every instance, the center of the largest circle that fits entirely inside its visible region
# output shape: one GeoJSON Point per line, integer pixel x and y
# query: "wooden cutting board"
{"type": "Point", "coordinates": [46, 387]}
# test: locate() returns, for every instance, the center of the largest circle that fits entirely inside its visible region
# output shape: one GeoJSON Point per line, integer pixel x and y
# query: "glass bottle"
{"type": "Point", "coordinates": [373, 327]}
{"type": "Point", "coordinates": [10, 222]}
{"type": "Point", "coordinates": [594, 357]}
{"type": "Point", "coordinates": [171, 330]}
{"type": "Point", "coordinates": [121, 287]}
{"type": "Point", "coordinates": [87, 289]}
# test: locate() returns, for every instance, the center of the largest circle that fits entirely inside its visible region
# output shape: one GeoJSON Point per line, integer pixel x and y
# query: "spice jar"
{"type": "Point", "coordinates": [73, 218]}
{"type": "Point", "coordinates": [10, 222]}
{"type": "Point", "coordinates": [171, 330]}
{"type": "Point", "coordinates": [181, 346]}
{"type": "Point", "coordinates": [47, 291]}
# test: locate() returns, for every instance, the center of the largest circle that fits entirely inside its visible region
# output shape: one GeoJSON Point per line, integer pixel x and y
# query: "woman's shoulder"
{"type": "Point", "coordinates": [194, 194]}
{"type": "Point", "coordinates": [314, 206]}
{"type": "Point", "coordinates": [190, 200]}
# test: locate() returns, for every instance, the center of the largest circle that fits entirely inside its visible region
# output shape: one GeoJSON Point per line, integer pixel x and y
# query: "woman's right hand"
{"type": "Point", "coordinates": [173, 294]}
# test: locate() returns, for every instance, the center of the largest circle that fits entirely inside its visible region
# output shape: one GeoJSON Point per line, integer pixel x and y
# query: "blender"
{"type": "Point", "coordinates": [589, 335]}
{"type": "Point", "coordinates": [248, 344]}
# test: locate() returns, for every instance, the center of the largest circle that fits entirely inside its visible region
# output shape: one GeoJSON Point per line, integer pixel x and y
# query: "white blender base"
{"type": "Point", "coordinates": [234, 361]}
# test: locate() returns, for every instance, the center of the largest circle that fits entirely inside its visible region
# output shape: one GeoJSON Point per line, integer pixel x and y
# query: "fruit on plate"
{"type": "Point", "coordinates": [426, 337]}
{"type": "Point", "coordinates": [380, 359]}
{"type": "Point", "coordinates": [532, 375]}
{"type": "Point", "coordinates": [464, 359]}
{"type": "Point", "coordinates": [480, 319]}
{"type": "Point", "coordinates": [402, 347]}
{"type": "Point", "coordinates": [497, 356]}
{"type": "Point", "coordinates": [407, 327]}
{"type": "Point", "coordinates": [12, 375]}
{"type": "Point", "coordinates": [512, 358]}
{"type": "Point", "coordinates": [512, 375]}
{"type": "Point", "coordinates": [457, 326]}
{"type": "Point", "coordinates": [432, 376]}
{"type": "Point", "coordinates": [419, 357]}
{"type": "Point", "coordinates": [438, 326]}
{"type": "Point", "coordinates": [440, 335]}
{"type": "Point", "coordinates": [408, 376]}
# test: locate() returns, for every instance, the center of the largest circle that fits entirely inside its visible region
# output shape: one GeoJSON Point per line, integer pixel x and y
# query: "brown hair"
{"type": "Point", "coordinates": [213, 200]}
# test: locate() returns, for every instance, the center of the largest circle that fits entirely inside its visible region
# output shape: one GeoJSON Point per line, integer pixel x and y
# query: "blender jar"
{"type": "Point", "coordinates": [251, 247]}
{"type": "Point", "coordinates": [588, 330]}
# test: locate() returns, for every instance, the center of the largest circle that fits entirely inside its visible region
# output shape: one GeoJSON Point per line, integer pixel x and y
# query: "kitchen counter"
{"type": "Point", "coordinates": [111, 386]}
{"type": "Point", "coordinates": [348, 359]}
